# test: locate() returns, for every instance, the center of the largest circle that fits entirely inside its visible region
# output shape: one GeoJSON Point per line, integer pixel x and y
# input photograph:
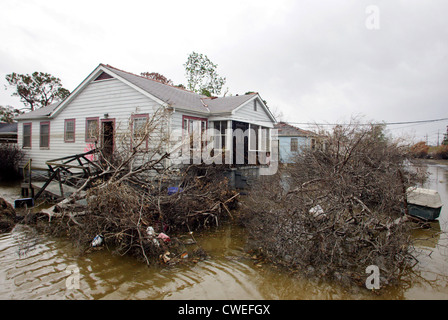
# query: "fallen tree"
{"type": "Point", "coordinates": [338, 209]}
{"type": "Point", "coordinates": [145, 221]}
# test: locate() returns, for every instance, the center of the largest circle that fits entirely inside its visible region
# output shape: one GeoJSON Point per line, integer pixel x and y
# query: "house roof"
{"type": "Point", "coordinates": [287, 130]}
{"type": "Point", "coordinates": [167, 95]}
{"type": "Point", "coordinates": [8, 128]}
{"type": "Point", "coordinates": [181, 98]}
{"type": "Point", "coordinates": [40, 113]}
{"type": "Point", "coordinates": [226, 104]}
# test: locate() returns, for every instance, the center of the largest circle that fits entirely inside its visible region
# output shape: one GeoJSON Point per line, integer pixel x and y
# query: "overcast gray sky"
{"type": "Point", "coordinates": [315, 61]}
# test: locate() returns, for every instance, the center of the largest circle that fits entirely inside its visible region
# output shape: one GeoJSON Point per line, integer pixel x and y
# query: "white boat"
{"type": "Point", "coordinates": [424, 203]}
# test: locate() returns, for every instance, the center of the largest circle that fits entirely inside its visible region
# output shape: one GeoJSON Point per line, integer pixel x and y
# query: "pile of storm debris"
{"type": "Point", "coordinates": [135, 203]}
{"type": "Point", "coordinates": [144, 219]}
{"type": "Point", "coordinates": [340, 208]}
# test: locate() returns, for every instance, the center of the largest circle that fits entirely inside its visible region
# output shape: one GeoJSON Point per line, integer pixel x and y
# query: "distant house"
{"type": "Point", "coordinates": [112, 101]}
{"type": "Point", "coordinates": [292, 140]}
{"type": "Point", "coordinates": [8, 132]}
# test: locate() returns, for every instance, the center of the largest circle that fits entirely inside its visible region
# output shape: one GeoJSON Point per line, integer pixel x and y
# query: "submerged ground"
{"type": "Point", "coordinates": [34, 266]}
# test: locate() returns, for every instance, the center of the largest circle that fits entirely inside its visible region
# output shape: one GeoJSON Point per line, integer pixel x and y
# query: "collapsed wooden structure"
{"type": "Point", "coordinates": [65, 174]}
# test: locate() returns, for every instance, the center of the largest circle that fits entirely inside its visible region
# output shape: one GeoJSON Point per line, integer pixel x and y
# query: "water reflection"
{"type": "Point", "coordinates": [429, 278]}
{"type": "Point", "coordinates": [33, 266]}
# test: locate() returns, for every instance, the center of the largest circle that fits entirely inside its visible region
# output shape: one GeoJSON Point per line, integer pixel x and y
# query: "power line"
{"type": "Point", "coordinates": [361, 124]}
{"type": "Point", "coordinates": [368, 124]}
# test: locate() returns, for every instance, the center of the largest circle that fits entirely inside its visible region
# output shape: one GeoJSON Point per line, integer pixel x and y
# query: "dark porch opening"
{"type": "Point", "coordinates": [240, 155]}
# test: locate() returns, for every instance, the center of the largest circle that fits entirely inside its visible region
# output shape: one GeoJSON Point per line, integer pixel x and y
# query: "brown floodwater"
{"type": "Point", "coordinates": [35, 266]}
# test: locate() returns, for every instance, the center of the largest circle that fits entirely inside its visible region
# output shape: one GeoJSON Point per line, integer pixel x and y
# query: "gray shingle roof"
{"type": "Point", "coordinates": [173, 96]}
{"type": "Point", "coordinates": [176, 97]}
{"type": "Point", "coordinates": [181, 98]}
{"type": "Point", "coordinates": [39, 113]}
{"type": "Point", "coordinates": [226, 104]}
{"type": "Point", "coordinates": [7, 128]}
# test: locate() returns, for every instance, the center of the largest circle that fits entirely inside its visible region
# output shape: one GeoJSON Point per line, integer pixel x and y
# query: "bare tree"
{"type": "Point", "coordinates": [158, 77]}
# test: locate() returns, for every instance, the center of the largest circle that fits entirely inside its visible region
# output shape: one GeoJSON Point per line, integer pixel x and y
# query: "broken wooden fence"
{"type": "Point", "coordinates": [60, 167]}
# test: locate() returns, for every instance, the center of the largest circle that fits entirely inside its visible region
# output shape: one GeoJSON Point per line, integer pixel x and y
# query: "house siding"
{"type": "Point", "coordinates": [176, 126]}
{"type": "Point", "coordinates": [285, 153]}
{"type": "Point", "coordinates": [177, 122]}
{"type": "Point", "coordinates": [112, 96]}
{"type": "Point", "coordinates": [246, 113]}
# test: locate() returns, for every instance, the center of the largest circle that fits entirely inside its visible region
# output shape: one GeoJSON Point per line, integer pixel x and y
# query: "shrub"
{"type": "Point", "coordinates": [10, 157]}
{"type": "Point", "coordinates": [439, 152]}
{"type": "Point", "coordinates": [420, 150]}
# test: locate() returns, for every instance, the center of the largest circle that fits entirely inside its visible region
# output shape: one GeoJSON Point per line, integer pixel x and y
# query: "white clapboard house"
{"type": "Point", "coordinates": [110, 102]}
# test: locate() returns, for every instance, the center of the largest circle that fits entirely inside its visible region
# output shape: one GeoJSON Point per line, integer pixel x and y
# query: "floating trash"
{"type": "Point", "coordinates": [174, 190]}
{"type": "Point", "coordinates": [165, 257]}
{"type": "Point", "coordinates": [97, 241]}
{"type": "Point", "coordinates": [25, 202]}
{"type": "Point", "coordinates": [150, 232]}
{"type": "Point", "coordinates": [184, 255]}
{"type": "Point", "coordinates": [164, 237]}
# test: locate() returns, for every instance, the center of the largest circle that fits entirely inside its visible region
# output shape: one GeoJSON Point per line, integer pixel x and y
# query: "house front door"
{"type": "Point", "coordinates": [107, 137]}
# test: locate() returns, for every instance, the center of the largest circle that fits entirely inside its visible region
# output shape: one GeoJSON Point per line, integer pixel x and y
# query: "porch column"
{"type": "Point", "coordinates": [229, 143]}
